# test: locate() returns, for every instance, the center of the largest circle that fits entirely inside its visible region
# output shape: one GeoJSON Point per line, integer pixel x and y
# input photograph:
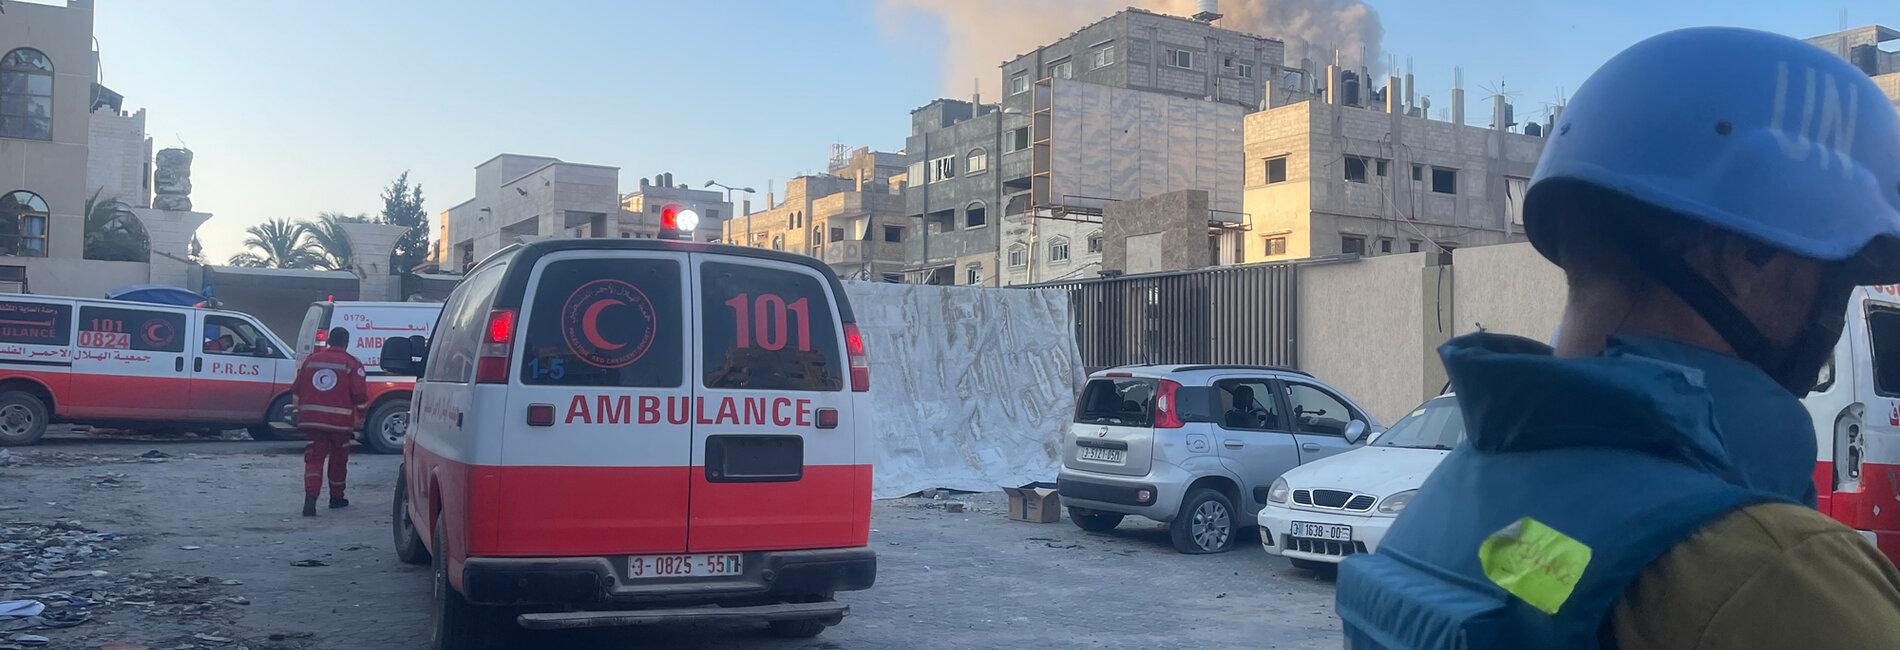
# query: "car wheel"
{"type": "Point", "coordinates": [799, 629]}
{"type": "Point", "coordinates": [454, 623]}
{"type": "Point", "coordinates": [1205, 524]}
{"type": "Point", "coordinates": [1324, 569]}
{"type": "Point", "coordinates": [386, 426]}
{"type": "Point", "coordinates": [409, 547]}
{"type": "Point", "coordinates": [277, 424]}
{"type": "Point", "coordinates": [23, 418]}
{"type": "Point", "coordinates": [1094, 521]}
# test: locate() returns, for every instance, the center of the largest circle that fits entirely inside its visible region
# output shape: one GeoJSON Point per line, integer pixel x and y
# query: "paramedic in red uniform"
{"type": "Point", "coordinates": [330, 398]}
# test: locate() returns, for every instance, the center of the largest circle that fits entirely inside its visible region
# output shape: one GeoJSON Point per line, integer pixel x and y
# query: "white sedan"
{"type": "Point", "coordinates": [1321, 512]}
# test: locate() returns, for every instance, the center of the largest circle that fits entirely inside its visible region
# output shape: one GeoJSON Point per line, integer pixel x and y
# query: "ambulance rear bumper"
{"type": "Point", "coordinates": [769, 576]}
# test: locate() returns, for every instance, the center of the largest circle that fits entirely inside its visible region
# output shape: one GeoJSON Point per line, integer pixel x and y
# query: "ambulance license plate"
{"type": "Point", "coordinates": [1332, 532]}
{"type": "Point", "coordinates": [701, 565]}
{"type": "Point", "coordinates": [1098, 453]}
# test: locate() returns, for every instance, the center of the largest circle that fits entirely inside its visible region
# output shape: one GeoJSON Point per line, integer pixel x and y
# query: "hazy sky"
{"type": "Point", "coordinates": [294, 108]}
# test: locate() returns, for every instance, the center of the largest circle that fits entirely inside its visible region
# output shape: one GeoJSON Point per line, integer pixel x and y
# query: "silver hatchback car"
{"type": "Point", "coordinates": [1197, 446]}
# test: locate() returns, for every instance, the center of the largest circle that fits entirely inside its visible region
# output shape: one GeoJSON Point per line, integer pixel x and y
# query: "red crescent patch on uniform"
{"type": "Point", "coordinates": [615, 347]}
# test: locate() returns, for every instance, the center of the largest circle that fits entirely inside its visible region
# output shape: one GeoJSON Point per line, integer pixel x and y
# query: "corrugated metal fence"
{"type": "Point", "coordinates": [1236, 314]}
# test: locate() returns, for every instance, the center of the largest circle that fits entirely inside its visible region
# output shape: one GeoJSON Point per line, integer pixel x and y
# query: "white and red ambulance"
{"type": "Point", "coordinates": [134, 364]}
{"type": "Point", "coordinates": [370, 324]}
{"type": "Point", "coordinates": [1856, 411]}
{"type": "Point", "coordinates": [614, 432]}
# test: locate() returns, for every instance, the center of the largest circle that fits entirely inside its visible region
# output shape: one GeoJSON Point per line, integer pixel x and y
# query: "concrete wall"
{"type": "Point", "coordinates": [1508, 289]}
{"type": "Point", "coordinates": [279, 297]}
{"type": "Point", "coordinates": [119, 159]}
{"type": "Point", "coordinates": [1117, 144]}
{"type": "Point", "coordinates": [72, 276]}
{"type": "Point", "coordinates": [55, 169]}
{"type": "Point", "coordinates": [1360, 330]}
{"type": "Point", "coordinates": [1159, 233]}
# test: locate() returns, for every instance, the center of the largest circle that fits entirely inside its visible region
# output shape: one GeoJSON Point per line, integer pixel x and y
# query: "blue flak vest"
{"type": "Point", "coordinates": [1622, 454]}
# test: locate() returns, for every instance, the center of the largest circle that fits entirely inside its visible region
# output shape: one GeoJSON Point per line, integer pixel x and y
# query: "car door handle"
{"type": "Point", "coordinates": [1309, 446]}
{"type": "Point", "coordinates": [198, 364]}
{"type": "Point", "coordinates": [178, 364]}
{"type": "Point", "coordinates": [1233, 444]}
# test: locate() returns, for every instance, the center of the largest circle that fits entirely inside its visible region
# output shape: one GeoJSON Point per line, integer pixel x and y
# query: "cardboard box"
{"type": "Point", "coordinates": [1036, 503]}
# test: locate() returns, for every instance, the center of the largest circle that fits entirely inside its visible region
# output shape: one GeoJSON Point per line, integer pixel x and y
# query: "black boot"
{"type": "Point", "coordinates": [339, 503]}
{"type": "Point", "coordinates": [309, 505]}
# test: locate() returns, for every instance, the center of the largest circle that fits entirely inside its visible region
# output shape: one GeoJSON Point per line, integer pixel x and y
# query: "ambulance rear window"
{"type": "Point", "coordinates": [768, 329]}
{"type": "Point", "coordinates": [36, 323]}
{"type": "Point", "coordinates": [606, 322]}
{"type": "Point", "coordinates": [1883, 331]}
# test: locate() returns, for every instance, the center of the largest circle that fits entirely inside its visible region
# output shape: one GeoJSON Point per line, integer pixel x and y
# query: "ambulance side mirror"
{"type": "Point", "coordinates": [405, 355]}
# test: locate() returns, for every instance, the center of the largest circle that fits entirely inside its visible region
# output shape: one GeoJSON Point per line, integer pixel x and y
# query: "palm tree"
{"type": "Point", "coordinates": [328, 241]}
{"type": "Point", "coordinates": [113, 233]}
{"type": "Point", "coordinates": [277, 244]}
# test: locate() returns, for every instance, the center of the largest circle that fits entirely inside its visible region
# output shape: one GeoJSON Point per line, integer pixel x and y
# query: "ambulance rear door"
{"type": "Point", "coordinates": [597, 435]}
{"type": "Point", "coordinates": [774, 444]}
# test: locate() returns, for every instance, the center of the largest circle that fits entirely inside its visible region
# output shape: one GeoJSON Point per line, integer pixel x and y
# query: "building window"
{"type": "Point", "coordinates": [1276, 170]}
{"type": "Point", "coordinates": [1352, 244]}
{"type": "Point", "coordinates": [26, 95]}
{"type": "Point", "coordinates": [1414, 244]}
{"type": "Point", "coordinates": [1018, 257]}
{"type": "Point", "coordinates": [1101, 57]}
{"type": "Point", "coordinates": [1385, 246]}
{"type": "Point", "coordinates": [973, 216]}
{"type": "Point", "coordinates": [979, 161]}
{"type": "Point", "coordinates": [894, 234]}
{"type": "Point", "coordinates": [1019, 83]}
{"type": "Point", "coordinates": [1095, 243]}
{"type": "Point", "coordinates": [712, 213]}
{"type": "Point", "coordinates": [916, 173]}
{"type": "Point", "coordinates": [1418, 172]}
{"type": "Point", "coordinates": [1276, 245]}
{"type": "Point", "coordinates": [1016, 140]}
{"type": "Point", "coordinates": [1181, 59]}
{"type": "Point", "coordinates": [1379, 168]}
{"type": "Point", "coordinates": [894, 278]}
{"type": "Point", "coordinates": [1514, 189]}
{"type": "Point", "coordinates": [943, 169]}
{"type": "Point", "coordinates": [973, 274]}
{"type": "Point", "coordinates": [1444, 181]}
{"type": "Point", "coordinates": [23, 224]}
{"type": "Point", "coordinates": [778, 243]}
{"type": "Point", "coordinates": [837, 234]}
{"type": "Point", "coordinates": [1355, 169]}
{"type": "Point", "coordinates": [1059, 250]}
{"type": "Point", "coordinates": [1064, 69]}
{"type": "Point", "coordinates": [1246, 70]}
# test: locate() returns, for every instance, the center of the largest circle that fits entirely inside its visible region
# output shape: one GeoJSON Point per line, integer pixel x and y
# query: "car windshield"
{"type": "Point", "coordinates": [1438, 424]}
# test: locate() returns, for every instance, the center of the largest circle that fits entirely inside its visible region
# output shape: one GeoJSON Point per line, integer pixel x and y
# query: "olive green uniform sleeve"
{"type": "Point", "coordinates": [1765, 576]}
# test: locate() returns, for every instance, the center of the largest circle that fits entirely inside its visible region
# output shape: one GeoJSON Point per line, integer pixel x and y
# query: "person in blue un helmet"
{"type": "Point", "coordinates": [1712, 195]}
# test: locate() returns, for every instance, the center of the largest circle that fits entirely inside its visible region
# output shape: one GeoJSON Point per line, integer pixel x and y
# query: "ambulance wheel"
{"type": "Point", "coordinates": [276, 424]}
{"type": "Point", "coordinates": [454, 623]}
{"type": "Point", "coordinates": [409, 547]}
{"type": "Point", "coordinates": [387, 424]}
{"type": "Point", "coordinates": [1094, 521]}
{"type": "Point", "coordinates": [22, 418]}
{"type": "Point", "coordinates": [1205, 524]}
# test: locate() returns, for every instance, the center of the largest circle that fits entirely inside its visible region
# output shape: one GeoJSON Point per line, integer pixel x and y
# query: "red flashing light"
{"type": "Point", "coordinates": [501, 326]}
{"type": "Point", "coordinates": [492, 366]}
{"type": "Point", "coordinates": [1167, 413]}
{"type": "Point", "coordinates": [670, 217]}
{"type": "Point", "coordinates": [323, 336]}
{"type": "Point", "coordinates": [860, 362]}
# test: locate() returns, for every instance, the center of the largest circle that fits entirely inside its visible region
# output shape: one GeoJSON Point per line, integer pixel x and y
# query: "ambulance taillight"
{"type": "Point", "coordinates": [492, 366]}
{"type": "Point", "coordinates": [859, 362]}
{"type": "Point", "coordinates": [677, 222]}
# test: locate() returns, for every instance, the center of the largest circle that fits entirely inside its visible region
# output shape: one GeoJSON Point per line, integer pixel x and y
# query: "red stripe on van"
{"type": "Point", "coordinates": [829, 507]}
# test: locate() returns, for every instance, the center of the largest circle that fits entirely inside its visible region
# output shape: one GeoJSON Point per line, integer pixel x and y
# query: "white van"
{"type": "Point", "coordinates": [619, 432]}
{"type": "Point", "coordinates": [370, 324]}
{"type": "Point", "coordinates": [1856, 411]}
{"type": "Point", "coordinates": [134, 364]}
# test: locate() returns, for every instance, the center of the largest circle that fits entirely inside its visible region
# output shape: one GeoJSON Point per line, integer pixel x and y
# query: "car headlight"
{"type": "Point", "coordinates": [1395, 503]}
{"type": "Point", "coordinates": [1277, 493]}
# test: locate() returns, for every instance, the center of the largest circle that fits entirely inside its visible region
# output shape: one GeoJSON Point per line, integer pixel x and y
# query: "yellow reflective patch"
{"type": "Point", "coordinates": [1534, 562]}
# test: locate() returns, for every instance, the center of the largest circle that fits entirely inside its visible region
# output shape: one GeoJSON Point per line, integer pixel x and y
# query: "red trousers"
{"type": "Point", "coordinates": [334, 445]}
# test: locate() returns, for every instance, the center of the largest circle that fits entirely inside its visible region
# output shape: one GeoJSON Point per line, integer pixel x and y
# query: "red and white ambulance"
{"type": "Point", "coordinates": [134, 364]}
{"type": "Point", "coordinates": [370, 324]}
{"type": "Point", "coordinates": [1856, 411]}
{"type": "Point", "coordinates": [614, 432]}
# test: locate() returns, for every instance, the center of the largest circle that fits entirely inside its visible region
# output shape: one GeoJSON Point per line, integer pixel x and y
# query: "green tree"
{"type": "Point", "coordinates": [113, 233]}
{"type": "Point", "coordinates": [402, 206]}
{"type": "Point", "coordinates": [277, 244]}
{"type": "Point", "coordinates": [326, 238]}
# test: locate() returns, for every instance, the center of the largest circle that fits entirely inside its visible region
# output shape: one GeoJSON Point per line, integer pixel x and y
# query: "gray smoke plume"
{"type": "Point", "coordinates": [982, 34]}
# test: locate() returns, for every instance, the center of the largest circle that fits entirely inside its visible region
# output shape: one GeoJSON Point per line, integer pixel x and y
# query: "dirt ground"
{"type": "Point", "coordinates": [201, 546]}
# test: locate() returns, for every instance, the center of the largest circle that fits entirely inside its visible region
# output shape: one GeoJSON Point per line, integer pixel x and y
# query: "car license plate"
{"type": "Point", "coordinates": [1098, 453]}
{"type": "Point", "coordinates": [1322, 531]}
{"type": "Point", "coordinates": [702, 565]}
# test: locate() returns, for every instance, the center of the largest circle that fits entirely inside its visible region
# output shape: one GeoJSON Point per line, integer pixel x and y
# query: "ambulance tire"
{"type": "Point", "coordinates": [391, 414]}
{"type": "Point", "coordinates": [409, 546]}
{"type": "Point", "coordinates": [455, 624]}
{"type": "Point", "coordinates": [23, 418]}
{"type": "Point", "coordinates": [265, 431]}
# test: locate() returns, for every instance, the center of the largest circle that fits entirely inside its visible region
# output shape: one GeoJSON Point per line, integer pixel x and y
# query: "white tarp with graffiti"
{"type": "Point", "coordinates": [973, 387]}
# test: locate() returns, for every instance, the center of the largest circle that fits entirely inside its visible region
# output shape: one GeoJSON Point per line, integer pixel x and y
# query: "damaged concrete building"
{"type": "Point", "coordinates": [852, 217]}
{"type": "Point", "coordinates": [1861, 47]}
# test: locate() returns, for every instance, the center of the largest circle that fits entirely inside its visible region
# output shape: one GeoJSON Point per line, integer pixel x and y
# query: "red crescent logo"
{"type": "Point", "coordinates": [603, 338]}
{"type": "Point", "coordinates": [157, 332]}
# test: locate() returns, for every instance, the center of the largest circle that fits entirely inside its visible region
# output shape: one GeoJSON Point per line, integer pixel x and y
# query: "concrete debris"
{"type": "Point", "coordinates": [310, 563]}
{"type": "Point", "coordinates": [189, 547]}
{"type": "Point", "coordinates": [155, 454]}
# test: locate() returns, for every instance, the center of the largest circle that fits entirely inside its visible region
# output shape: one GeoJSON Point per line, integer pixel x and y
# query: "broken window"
{"type": "Point", "coordinates": [1276, 245]}
{"type": "Point", "coordinates": [1059, 250]}
{"type": "Point", "coordinates": [1355, 169]}
{"type": "Point", "coordinates": [1095, 243]}
{"type": "Point", "coordinates": [1276, 170]}
{"type": "Point", "coordinates": [1016, 140]}
{"type": "Point", "coordinates": [1444, 181]}
{"type": "Point", "coordinates": [894, 278]}
{"type": "Point", "coordinates": [1352, 245]}
{"type": "Point", "coordinates": [894, 234]}
{"type": "Point", "coordinates": [1514, 189]}
{"type": "Point", "coordinates": [973, 274]}
{"type": "Point", "coordinates": [943, 169]}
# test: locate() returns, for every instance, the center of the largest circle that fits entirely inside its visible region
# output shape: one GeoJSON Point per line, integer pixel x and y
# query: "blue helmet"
{"type": "Point", "coordinates": [1747, 131]}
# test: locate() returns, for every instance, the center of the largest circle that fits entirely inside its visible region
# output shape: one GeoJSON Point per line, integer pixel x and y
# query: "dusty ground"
{"type": "Point", "coordinates": [207, 537]}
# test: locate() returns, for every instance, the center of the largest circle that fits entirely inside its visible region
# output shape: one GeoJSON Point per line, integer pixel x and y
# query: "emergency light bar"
{"type": "Point", "coordinates": [678, 222]}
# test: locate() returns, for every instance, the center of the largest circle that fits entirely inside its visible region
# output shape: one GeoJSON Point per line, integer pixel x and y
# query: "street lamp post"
{"type": "Point", "coordinates": [748, 216]}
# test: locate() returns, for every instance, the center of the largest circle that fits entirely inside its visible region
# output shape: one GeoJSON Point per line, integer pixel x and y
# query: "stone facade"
{"type": "Point", "coordinates": [851, 217]}
{"type": "Point", "coordinates": [55, 168]}
{"type": "Point", "coordinates": [524, 198]}
{"type": "Point", "coordinates": [640, 211]}
{"type": "Point", "coordinates": [171, 182]}
{"type": "Point", "coordinates": [1158, 233]}
{"type": "Point", "coordinates": [119, 157]}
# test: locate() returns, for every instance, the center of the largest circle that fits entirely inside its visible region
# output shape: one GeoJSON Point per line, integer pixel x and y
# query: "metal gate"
{"type": "Point", "coordinates": [1235, 314]}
